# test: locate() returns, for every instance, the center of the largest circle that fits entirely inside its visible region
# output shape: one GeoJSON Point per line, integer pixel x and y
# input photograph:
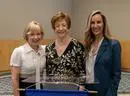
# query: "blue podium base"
{"type": "Point", "coordinates": [41, 92]}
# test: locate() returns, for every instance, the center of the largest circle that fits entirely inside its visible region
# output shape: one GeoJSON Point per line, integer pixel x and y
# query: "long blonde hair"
{"type": "Point", "coordinates": [89, 36]}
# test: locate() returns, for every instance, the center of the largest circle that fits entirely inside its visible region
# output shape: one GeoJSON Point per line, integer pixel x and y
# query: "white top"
{"type": "Point", "coordinates": [27, 59]}
{"type": "Point", "coordinates": [90, 63]}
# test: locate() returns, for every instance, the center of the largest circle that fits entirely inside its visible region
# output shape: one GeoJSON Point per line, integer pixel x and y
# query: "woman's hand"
{"type": "Point", "coordinates": [81, 88]}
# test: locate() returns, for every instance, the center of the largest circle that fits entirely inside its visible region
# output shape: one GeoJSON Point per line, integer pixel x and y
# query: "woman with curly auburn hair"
{"type": "Point", "coordinates": [65, 56]}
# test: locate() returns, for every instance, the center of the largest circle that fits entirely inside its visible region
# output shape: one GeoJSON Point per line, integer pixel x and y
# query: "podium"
{"type": "Point", "coordinates": [56, 89]}
{"type": "Point", "coordinates": [40, 92]}
{"type": "Point", "coordinates": [53, 87]}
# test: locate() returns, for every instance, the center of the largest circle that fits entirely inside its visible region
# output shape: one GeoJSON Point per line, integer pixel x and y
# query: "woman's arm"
{"type": "Point", "coordinates": [15, 80]}
{"type": "Point", "coordinates": [116, 56]}
{"type": "Point", "coordinates": [116, 68]}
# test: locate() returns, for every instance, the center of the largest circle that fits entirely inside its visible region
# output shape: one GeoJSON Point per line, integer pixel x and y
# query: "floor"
{"type": "Point", "coordinates": [124, 87]}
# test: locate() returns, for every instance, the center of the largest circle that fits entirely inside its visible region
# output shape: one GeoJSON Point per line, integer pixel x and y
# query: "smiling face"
{"type": "Point", "coordinates": [97, 25]}
{"type": "Point", "coordinates": [61, 28]}
{"type": "Point", "coordinates": [33, 33]}
{"type": "Point", "coordinates": [34, 37]}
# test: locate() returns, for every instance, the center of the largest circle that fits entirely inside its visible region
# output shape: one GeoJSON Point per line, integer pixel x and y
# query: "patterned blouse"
{"type": "Point", "coordinates": [69, 65]}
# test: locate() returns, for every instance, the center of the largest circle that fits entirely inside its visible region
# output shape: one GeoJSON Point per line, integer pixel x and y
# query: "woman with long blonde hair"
{"type": "Point", "coordinates": [103, 62]}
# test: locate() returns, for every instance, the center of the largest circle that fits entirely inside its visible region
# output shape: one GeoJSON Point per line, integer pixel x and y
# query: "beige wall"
{"type": "Point", "coordinates": [15, 14]}
{"type": "Point", "coordinates": [117, 12]}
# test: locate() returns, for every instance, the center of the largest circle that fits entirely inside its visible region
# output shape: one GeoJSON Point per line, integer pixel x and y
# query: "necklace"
{"type": "Point", "coordinates": [94, 49]}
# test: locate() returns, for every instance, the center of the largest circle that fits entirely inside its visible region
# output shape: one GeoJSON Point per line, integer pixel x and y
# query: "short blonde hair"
{"type": "Point", "coordinates": [61, 15]}
{"type": "Point", "coordinates": [33, 25]}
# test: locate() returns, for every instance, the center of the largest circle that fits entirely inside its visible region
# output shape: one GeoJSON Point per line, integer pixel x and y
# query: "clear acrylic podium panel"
{"type": "Point", "coordinates": [55, 89]}
{"type": "Point", "coordinates": [53, 85]}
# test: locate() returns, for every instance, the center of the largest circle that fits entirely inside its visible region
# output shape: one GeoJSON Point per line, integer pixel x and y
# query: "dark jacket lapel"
{"type": "Point", "coordinates": [101, 50]}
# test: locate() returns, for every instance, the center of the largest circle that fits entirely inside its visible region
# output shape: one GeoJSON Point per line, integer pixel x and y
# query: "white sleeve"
{"type": "Point", "coordinates": [15, 59]}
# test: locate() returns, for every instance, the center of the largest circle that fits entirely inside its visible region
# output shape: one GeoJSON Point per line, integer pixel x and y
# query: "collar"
{"type": "Point", "coordinates": [28, 48]}
{"type": "Point", "coordinates": [100, 42]}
